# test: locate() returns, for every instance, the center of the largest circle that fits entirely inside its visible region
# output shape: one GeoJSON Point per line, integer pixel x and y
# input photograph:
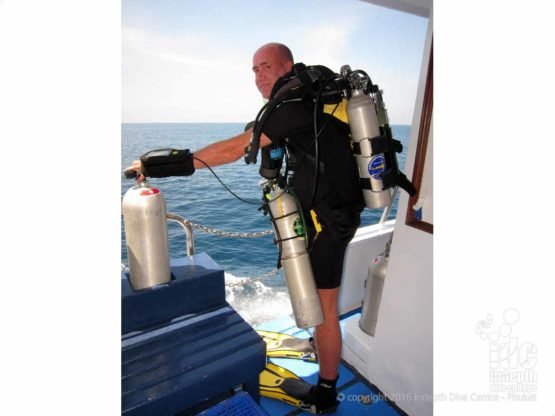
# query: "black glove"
{"type": "Point", "coordinates": [161, 163]}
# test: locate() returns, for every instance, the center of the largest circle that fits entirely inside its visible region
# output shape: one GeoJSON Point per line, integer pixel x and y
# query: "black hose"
{"type": "Point", "coordinates": [317, 135]}
{"type": "Point", "coordinates": [252, 202]}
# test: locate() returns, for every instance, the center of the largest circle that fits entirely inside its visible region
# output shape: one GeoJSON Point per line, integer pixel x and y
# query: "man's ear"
{"type": "Point", "coordinates": [289, 65]}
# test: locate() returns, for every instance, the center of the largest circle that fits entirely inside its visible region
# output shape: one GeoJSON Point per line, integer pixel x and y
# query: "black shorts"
{"type": "Point", "coordinates": [327, 251]}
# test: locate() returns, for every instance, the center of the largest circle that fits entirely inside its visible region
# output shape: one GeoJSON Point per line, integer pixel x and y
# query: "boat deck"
{"type": "Point", "coordinates": [357, 395]}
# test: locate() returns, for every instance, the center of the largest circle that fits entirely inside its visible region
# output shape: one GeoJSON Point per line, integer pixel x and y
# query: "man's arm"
{"type": "Point", "coordinates": [223, 152]}
{"type": "Point", "coordinates": [226, 151]}
{"type": "Point", "coordinates": [219, 153]}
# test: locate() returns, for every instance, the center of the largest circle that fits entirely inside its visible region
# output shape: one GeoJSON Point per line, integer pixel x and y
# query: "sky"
{"type": "Point", "coordinates": [190, 61]}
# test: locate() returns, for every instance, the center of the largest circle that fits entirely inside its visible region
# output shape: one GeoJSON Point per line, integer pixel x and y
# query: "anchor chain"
{"type": "Point", "coordinates": [229, 234]}
{"type": "Point", "coordinates": [221, 233]}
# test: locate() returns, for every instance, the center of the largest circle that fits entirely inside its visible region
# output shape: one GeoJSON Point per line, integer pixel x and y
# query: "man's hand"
{"type": "Point", "coordinates": [134, 171]}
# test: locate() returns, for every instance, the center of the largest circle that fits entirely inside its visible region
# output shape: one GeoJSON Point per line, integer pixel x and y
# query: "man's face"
{"type": "Point", "coordinates": [268, 66]}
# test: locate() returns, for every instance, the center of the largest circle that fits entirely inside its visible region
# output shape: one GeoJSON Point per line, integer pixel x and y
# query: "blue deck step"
{"type": "Point", "coordinates": [197, 284]}
{"type": "Point", "coordinates": [178, 356]}
{"type": "Point", "coordinates": [241, 404]}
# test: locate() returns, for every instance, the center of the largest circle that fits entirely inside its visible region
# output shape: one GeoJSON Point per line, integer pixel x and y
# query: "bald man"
{"type": "Point", "coordinates": [338, 211]}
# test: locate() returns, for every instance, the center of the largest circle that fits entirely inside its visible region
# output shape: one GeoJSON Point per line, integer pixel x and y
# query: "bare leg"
{"type": "Point", "coordinates": [328, 335]}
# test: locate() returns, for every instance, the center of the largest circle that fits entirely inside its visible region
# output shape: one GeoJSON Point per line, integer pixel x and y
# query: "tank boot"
{"type": "Point", "coordinates": [322, 398]}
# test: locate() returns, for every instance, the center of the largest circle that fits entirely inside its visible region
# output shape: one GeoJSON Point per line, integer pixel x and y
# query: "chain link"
{"type": "Point", "coordinates": [221, 233]}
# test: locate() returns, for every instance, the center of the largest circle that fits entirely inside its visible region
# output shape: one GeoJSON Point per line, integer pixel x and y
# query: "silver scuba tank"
{"type": "Point", "coordinates": [146, 236]}
{"type": "Point", "coordinates": [373, 294]}
{"type": "Point", "coordinates": [364, 126]}
{"type": "Point", "coordinates": [288, 227]}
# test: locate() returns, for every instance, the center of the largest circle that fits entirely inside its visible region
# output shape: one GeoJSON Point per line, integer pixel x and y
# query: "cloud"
{"type": "Point", "coordinates": [190, 49]}
{"type": "Point", "coordinates": [205, 76]}
{"type": "Point", "coordinates": [338, 45]}
{"type": "Point", "coordinates": [322, 43]}
{"type": "Point", "coordinates": [184, 78]}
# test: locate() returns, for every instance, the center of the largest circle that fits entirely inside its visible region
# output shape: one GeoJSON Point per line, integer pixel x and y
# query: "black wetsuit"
{"type": "Point", "coordinates": [338, 202]}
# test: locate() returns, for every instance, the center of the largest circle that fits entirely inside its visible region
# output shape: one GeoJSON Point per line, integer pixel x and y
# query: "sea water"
{"type": "Point", "coordinates": [201, 199]}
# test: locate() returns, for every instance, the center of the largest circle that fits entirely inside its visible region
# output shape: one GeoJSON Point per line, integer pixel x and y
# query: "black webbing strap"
{"type": "Point", "coordinates": [288, 238]}
{"type": "Point", "coordinates": [365, 184]}
{"type": "Point", "coordinates": [392, 178]}
{"type": "Point", "coordinates": [380, 144]}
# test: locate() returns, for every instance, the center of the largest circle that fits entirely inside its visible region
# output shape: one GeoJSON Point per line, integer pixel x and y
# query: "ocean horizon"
{"type": "Point", "coordinates": [201, 199]}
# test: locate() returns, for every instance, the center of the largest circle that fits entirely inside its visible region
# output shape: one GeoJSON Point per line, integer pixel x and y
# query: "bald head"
{"type": "Point", "coordinates": [270, 62]}
{"type": "Point", "coordinates": [278, 49]}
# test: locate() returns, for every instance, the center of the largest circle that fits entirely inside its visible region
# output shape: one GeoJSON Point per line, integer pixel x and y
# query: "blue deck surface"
{"type": "Point", "coordinates": [240, 404]}
{"type": "Point", "coordinates": [357, 395]}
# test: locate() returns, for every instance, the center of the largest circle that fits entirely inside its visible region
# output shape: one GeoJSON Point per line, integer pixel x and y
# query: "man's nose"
{"type": "Point", "coordinates": [260, 76]}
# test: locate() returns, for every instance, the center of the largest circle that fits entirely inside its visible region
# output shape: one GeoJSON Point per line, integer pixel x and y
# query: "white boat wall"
{"type": "Point", "coordinates": [398, 359]}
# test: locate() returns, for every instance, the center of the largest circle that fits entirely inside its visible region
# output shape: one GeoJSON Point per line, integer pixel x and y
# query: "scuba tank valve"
{"type": "Point", "coordinates": [146, 236]}
{"type": "Point", "coordinates": [290, 235]}
{"type": "Point", "coordinates": [372, 141]}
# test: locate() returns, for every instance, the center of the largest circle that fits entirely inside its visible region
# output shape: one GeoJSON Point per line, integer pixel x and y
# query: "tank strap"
{"type": "Point", "coordinates": [392, 178]}
{"type": "Point", "coordinates": [284, 216]}
{"type": "Point", "coordinates": [380, 144]}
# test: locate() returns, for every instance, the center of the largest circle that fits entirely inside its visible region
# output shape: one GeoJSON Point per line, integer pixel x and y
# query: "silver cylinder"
{"type": "Point", "coordinates": [373, 295]}
{"type": "Point", "coordinates": [146, 236]}
{"type": "Point", "coordinates": [363, 123]}
{"type": "Point", "coordinates": [295, 261]}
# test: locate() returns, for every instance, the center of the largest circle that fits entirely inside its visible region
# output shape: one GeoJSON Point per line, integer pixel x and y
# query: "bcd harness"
{"type": "Point", "coordinates": [330, 94]}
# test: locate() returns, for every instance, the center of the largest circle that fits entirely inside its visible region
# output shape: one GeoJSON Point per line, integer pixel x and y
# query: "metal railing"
{"type": "Point", "coordinates": [189, 236]}
{"type": "Point", "coordinates": [190, 239]}
{"type": "Point", "coordinates": [188, 226]}
{"type": "Point", "coordinates": [387, 209]}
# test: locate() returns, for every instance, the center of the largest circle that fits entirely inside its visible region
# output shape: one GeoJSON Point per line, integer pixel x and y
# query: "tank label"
{"type": "Point", "coordinates": [376, 167]}
{"type": "Point", "coordinates": [298, 227]}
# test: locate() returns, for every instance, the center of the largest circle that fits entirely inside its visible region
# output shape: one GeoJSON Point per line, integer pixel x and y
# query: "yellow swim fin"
{"type": "Point", "coordinates": [280, 345]}
{"type": "Point", "coordinates": [279, 383]}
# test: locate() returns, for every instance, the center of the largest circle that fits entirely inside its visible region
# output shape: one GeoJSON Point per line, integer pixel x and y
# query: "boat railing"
{"type": "Point", "coordinates": [189, 225]}
{"type": "Point", "coordinates": [189, 236]}
{"type": "Point", "coordinates": [387, 209]}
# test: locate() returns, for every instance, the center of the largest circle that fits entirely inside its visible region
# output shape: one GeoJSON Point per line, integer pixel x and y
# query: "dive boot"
{"type": "Point", "coordinates": [322, 398]}
{"type": "Point", "coordinates": [279, 383]}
